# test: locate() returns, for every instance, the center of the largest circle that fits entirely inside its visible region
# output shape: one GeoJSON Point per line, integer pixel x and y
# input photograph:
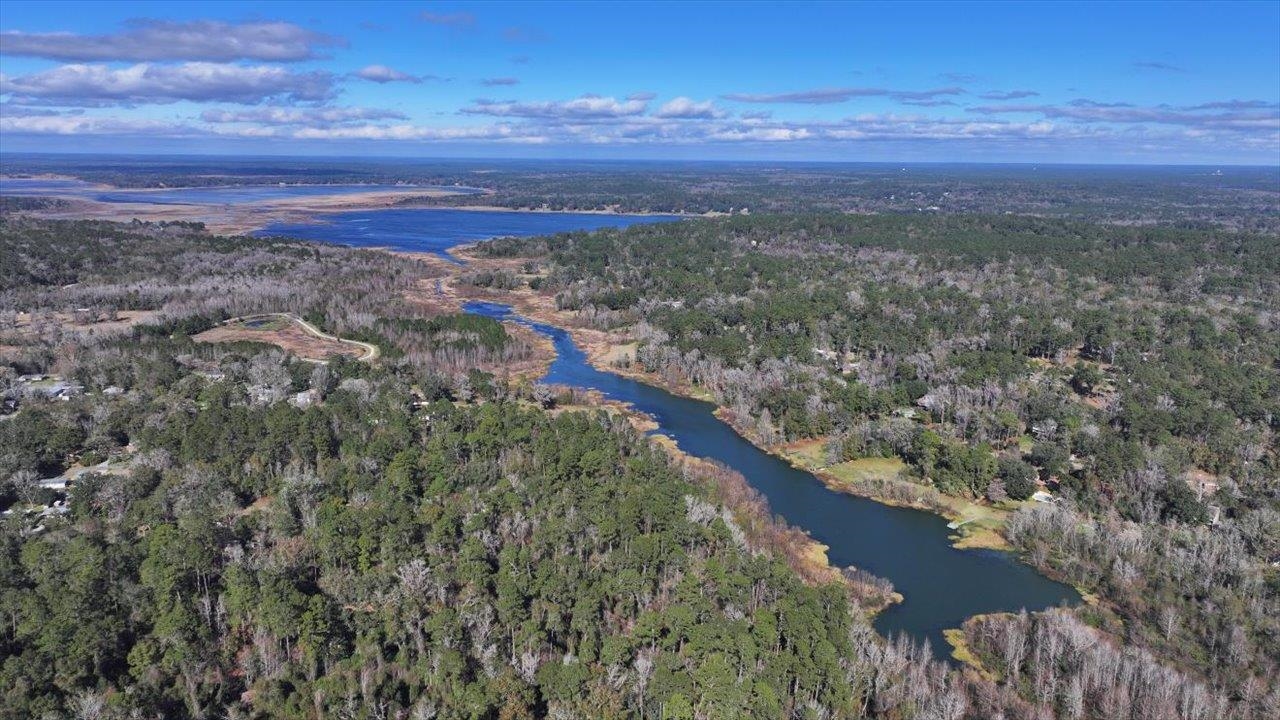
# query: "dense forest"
{"type": "Point", "coordinates": [356, 559]}
{"type": "Point", "coordinates": [225, 530]}
{"type": "Point", "coordinates": [407, 542]}
{"type": "Point", "coordinates": [1132, 371]}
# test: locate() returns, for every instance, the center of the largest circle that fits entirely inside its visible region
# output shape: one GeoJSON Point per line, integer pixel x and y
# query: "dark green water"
{"type": "Point", "coordinates": [942, 585]}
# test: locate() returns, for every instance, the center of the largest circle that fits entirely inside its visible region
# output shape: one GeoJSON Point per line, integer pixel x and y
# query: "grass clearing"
{"type": "Point", "coordinates": [812, 455]}
{"type": "Point", "coordinates": [856, 471]}
{"type": "Point", "coordinates": [809, 454]}
{"type": "Point", "coordinates": [964, 655]}
{"type": "Point", "coordinates": [978, 525]}
{"type": "Point", "coordinates": [619, 354]}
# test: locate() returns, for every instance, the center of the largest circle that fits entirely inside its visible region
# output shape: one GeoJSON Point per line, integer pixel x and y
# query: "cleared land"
{"type": "Point", "coordinates": [91, 323]}
{"type": "Point", "coordinates": [293, 334]}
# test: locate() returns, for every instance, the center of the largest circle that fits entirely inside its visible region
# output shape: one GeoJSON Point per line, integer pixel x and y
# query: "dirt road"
{"type": "Point", "coordinates": [371, 351]}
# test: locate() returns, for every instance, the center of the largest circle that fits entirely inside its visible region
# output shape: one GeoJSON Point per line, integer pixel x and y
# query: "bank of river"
{"type": "Point", "coordinates": [942, 585]}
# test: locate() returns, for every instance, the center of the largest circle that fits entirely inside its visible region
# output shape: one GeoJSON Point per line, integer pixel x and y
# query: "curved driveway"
{"type": "Point", "coordinates": [371, 351]}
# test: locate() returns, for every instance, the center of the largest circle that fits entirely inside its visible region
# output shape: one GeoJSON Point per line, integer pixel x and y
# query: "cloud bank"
{"type": "Point", "coordinates": [382, 74]}
{"type": "Point", "coordinates": [822, 96]}
{"type": "Point", "coordinates": [97, 85]}
{"type": "Point", "coordinates": [242, 79]}
{"type": "Point", "coordinates": [152, 40]}
{"type": "Point", "coordinates": [587, 107]}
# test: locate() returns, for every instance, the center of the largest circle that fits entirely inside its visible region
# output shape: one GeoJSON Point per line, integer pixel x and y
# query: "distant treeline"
{"type": "Point", "coordinates": [1240, 198]}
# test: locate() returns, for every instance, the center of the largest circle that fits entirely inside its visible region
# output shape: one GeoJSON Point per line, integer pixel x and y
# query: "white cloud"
{"type": "Point", "coordinates": [685, 108]}
{"type": "Point", "coordinates": [1008, 95]}
{"type": "Point", "coordinates": [609, 121]}
{"type": "Point", "coordinates": [583, 108]}
{"type": "Point", "coordinates": [825, 96]}
{"type": "Point", "coordinates": [145, 40]}
{"type": "Point", "coordinates": [148, 83]}
{"type": "Point", "coordinates": [82, 125]}
{"type": "Point", "coordinates": [1086, 111]}
{"type": "Point", "coordinates": [300, 116]}
{"type": "Point", "coordinates": [406, 131]}
{"type": "Point", "coordinates": [384, 74]}
{"type": "Point", "coordinates": [760, 134]}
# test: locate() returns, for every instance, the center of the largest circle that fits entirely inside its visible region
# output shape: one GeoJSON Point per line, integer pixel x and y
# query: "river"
{"type": "Point", "coordinates": [942, 585]}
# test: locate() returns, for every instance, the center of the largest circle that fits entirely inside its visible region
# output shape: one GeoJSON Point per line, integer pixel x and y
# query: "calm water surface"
{"type": "Point", "coordinates": [438, 229]}
{"type": "Point", "coordinates": [942, 585]}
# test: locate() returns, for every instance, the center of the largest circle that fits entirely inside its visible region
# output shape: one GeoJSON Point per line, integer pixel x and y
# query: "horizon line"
{"type": "Point", "coordinates": [652, 161]}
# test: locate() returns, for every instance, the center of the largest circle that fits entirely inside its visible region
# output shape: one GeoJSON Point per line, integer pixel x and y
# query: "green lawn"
{"type": "Point", "coordinates": [811, 455]}
{"type": "Point", "coordinates": [983, 525]}
{"type": "Point", "coordinates": [855, 471]}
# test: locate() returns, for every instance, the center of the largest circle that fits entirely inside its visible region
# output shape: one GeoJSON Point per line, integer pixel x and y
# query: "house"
{"type": "Point", "coordinates": [305, 399]}
{"type": "Point", "coordinates": [49, 387]}
{"type": "Point", "coordinates": [1043, 496]}
{"type": "Point", "coordinates": [66, 391]}
{"type": "Point", "coordinates": [54, 483]}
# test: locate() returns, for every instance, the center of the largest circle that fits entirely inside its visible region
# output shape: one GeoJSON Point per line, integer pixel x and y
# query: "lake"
{"type": "Point", "coordinates": [941, 584]}
{"type": "Point", "coordinates": [432, 230]}
{"type": "Point", "coordinates": [438, 229]}
{"type": "Point", "coordinates": [216, 195]}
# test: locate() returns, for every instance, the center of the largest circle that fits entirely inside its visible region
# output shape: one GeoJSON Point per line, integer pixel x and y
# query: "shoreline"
{"type": "Point", "coordinates": [249, 217]}
{"type": "Point", "coordinates": [990, 540]}
{"type": "Point", "coordinates": [392, 187]}
{"type": "Point", "coordinates": [596, 345]}
{"type": "Point", "coordinates": [798, 548]}
{"type": "Point", "coordinates": [223, 219]}
{"type": "Point", "coordinates": [253, 217]}
{"type": "Point", "coordinates": [599, 346]}
{"type": "Point", "coordinates": [554, 211]}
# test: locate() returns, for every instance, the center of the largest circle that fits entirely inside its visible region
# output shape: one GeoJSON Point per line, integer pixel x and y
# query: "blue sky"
{"type": "Point", "coordinates": [1000, 82]}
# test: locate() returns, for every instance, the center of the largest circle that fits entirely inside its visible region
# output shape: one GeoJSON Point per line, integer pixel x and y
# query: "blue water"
{"type": "Point", "coordinates": [44, 186]}
{"type": "Point", "coordinates": [437, 230]}
{"type": "Point", "coordinates": [942, 585]}
{"type": "Point", "coordinates": [221, 195]}
{"type": "Point", "coordinates": [234, 195]}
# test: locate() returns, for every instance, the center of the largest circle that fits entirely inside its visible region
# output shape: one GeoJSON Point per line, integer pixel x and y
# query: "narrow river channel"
{"type": "Point", "coordinates": [942, 585]}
